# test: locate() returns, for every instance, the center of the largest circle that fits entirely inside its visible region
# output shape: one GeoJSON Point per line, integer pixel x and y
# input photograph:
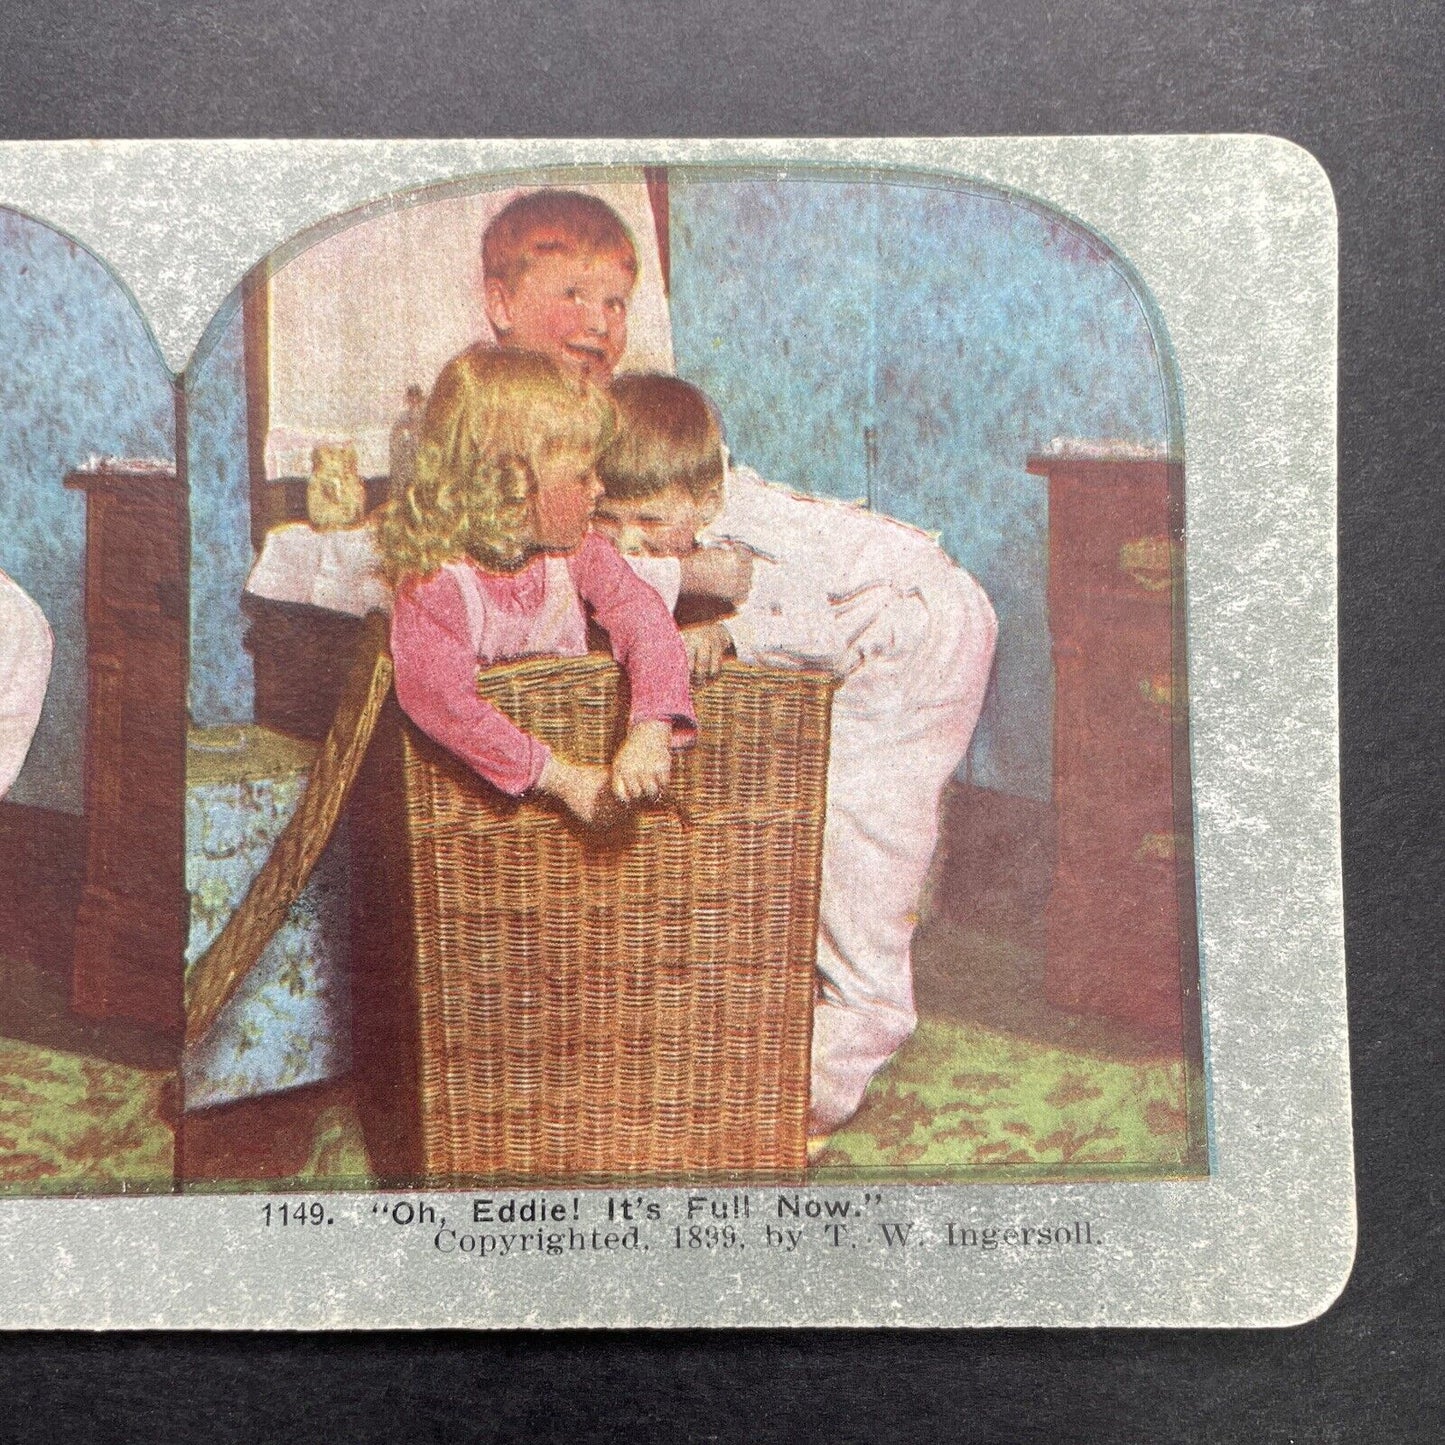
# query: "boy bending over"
{"type": "Point", "coordinates": [909, 633]}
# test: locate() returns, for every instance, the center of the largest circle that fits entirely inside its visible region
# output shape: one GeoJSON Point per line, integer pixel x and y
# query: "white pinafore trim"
{"type": "Point", "coordinates": [557, 629]}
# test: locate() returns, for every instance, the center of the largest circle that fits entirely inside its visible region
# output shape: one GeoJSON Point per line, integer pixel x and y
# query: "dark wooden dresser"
{"type": "Point", "coordinates": [134, 910]}
{"type": "Point", "coordinates": [1120, 921]}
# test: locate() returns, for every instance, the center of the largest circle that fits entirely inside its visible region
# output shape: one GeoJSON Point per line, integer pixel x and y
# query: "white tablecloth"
{"type": "Point", "coordinates": [335, 570]}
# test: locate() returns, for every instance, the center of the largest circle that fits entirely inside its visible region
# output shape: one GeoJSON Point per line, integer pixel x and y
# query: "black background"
{"type": "Point", "coordinates": [1358, 84]}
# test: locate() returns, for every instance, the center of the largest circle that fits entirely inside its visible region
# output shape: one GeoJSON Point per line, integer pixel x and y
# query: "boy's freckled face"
{"type": "Point", "coordinates": [664, 525]}
{"type": "Point", "coordinates": [562, 506]}
{"type": "Point", "coordinates": [572, 308]}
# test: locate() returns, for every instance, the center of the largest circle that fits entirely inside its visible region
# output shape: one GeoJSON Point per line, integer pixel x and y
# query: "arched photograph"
{"type": "Point", "coordinates": [660, 674]}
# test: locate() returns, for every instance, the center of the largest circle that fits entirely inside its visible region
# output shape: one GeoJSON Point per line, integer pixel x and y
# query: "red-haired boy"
{"type": "Point", "coordinates": [558, 271]}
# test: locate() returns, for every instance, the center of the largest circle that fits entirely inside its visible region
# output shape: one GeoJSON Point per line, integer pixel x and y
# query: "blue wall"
{"type": "Point", "coordinates": [222, 686]}
{"type": "Point", "coordinates": [967, 329]}
{"type": "Point", "coordinates": [964, 328]}
{"type": "Point", "coordinates": [81, 377]}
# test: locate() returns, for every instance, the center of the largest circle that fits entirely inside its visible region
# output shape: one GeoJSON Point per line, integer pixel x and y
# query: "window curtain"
{"type": "Point", "coordinates": [385, 302]}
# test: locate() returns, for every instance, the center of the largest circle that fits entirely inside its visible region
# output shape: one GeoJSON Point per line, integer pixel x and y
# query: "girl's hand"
{"type": "Point", "coordinates": [724, 572]}
{"type": "Point", "coordinates": [580, 787]}
{"type": "Point", "coordinates": [643, 763]}
{"type": "Point", "coordinates": [707, 645]}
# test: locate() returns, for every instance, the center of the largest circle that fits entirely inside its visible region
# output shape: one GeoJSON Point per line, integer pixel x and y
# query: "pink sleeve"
{"type": "Point", "coordinates": [436, 685]}
{"type": "Point", "coordinates": [644, 638]}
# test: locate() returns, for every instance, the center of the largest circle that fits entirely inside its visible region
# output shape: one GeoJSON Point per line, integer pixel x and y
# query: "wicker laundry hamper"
{"type": "Point", "coordinates": [539, 1000]}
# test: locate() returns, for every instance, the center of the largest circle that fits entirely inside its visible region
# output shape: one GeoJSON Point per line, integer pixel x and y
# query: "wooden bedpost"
{"type": "Point", "coordinates": [656, 177]}
{"type": "Point", "coordinates": [256, 341]}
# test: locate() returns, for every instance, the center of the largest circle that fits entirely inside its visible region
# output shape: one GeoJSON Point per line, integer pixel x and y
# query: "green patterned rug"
{"type": "Point", "coordinates": [963, 1102]}
{"type": "Point", "coordinates": [75, 1125]}
{"type": "Point", "coordinates": [958, 1102]}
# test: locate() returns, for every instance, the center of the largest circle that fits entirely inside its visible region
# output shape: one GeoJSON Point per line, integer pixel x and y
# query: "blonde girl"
{"type": "Point", "coordinates": [491, 556]}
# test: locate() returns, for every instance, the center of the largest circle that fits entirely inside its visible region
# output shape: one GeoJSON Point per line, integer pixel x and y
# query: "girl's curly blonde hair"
{"type": "Point", "coordinates": [492, 418]}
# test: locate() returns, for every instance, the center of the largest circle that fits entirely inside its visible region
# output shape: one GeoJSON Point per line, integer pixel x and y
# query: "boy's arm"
{"type": "Point", "coordinates": [789, 620]}
{"type": "Point", "coordinates": [724, 572]}
{"type": "Point", "coordinates": [662, 574]}
{"type": "Point", "coordinates": [707, 644]}
{"type": "Point", "coordinates": [436, 685]}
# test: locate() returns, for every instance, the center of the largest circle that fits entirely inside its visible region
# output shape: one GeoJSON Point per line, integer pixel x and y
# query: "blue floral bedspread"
{"type": "Point", "coordinates": [290, 1022]}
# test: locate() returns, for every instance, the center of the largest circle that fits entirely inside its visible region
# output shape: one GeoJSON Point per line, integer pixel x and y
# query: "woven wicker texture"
{"type": "Point", "coordinates": [635, 1001]}
{"type": "Point", "coordinates": [218, 973]}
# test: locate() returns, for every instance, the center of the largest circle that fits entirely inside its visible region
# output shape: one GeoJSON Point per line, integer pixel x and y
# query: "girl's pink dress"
{"type": "Point", "coordinates": [447, 625]}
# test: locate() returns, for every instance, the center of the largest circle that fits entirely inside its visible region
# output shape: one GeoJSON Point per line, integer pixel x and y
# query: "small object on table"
{"type": "Point", "coordinates": [335, 494]}
{"type": "Point", "coordinates": [405, 438]}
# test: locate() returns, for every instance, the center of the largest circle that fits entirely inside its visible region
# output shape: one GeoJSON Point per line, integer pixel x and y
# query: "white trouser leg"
{"type": "Point", "coordinates": [895, 743]}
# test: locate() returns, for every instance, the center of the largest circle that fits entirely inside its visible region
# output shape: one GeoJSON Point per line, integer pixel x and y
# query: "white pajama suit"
{"type": "Point", "coordinates": [25, 650]}
{"type": "Point", "coordinates": [911, 635]}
